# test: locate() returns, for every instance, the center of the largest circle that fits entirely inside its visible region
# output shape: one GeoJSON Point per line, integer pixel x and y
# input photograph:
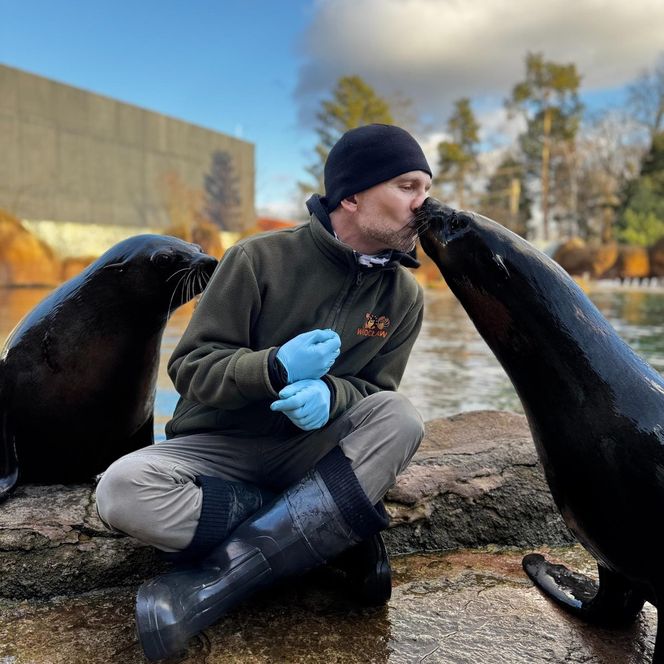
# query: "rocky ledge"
{"type": "Point", "coordinates": [474, 481]}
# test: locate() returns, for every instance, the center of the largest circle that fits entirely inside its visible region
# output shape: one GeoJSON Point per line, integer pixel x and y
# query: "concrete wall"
{"type": "Point", "coordinates": [68, 155]}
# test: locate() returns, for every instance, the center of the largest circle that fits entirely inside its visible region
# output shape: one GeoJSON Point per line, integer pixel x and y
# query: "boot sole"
{"type": "Point", "coordinates": [377, 587]}
{"type": "Point", "coordinates": [157, 640]}
{"type": "Point", "coordinates": [162, 636]}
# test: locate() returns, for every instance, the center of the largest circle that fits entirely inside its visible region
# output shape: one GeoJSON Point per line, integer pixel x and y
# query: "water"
{"type": "Point", "coordinates": [451, 369]}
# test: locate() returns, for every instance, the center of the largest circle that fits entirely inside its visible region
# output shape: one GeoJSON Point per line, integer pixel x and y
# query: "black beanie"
{"type": "Point", "coordinates": [367, 156]}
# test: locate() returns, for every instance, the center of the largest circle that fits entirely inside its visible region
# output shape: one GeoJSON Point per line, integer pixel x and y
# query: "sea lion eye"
{"type": "Point", "coordinates": [162, 259]}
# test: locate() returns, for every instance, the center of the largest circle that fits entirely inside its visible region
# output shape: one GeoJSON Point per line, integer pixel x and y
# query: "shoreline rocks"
{"type": "Point", "coordinates": [475, 481]}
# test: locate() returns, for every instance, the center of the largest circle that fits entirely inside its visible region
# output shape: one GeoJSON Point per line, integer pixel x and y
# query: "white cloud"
{"type": "Point", "coordinates": [281, 208]}
{"type": "Point", "coordinates": [436, 51]}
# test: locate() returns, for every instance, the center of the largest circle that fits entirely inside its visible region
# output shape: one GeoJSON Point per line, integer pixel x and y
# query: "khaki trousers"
{"type": "Point", "coordinates": [151, 494]}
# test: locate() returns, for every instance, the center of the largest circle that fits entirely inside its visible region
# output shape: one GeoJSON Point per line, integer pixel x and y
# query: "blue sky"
{"type": "Point", "coordinates": [257, 69]}
{"type": "Point", "coordinates": [228, 66]}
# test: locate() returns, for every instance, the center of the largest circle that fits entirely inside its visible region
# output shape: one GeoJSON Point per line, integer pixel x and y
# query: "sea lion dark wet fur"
{"type": "Point", "coordinates": [78, 373]}
{"type": "Point", "coordinates": [595, 409]}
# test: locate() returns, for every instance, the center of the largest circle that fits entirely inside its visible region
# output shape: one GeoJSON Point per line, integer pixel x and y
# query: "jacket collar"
{"type": "Point", "coordinates": [324, 235]}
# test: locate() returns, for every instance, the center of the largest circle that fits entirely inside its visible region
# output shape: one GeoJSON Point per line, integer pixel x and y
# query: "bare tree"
{"type": "Point", "coordinates": [610, 149]}
{"type": "Point", "coordinates": [646, 97]}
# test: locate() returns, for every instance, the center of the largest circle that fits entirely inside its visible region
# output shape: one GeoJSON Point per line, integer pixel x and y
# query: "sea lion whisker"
{"type": "Point", "coordinates": [184, 269]}
{"type": "Point", "coordinates": [193, 283]}
{"type": "Point", "coordinates": [185, 288]}
{"type": "Point", "coordinates": [421, 221]}
{"type": "Point", "coordinates": [192, 287]}
{"type": "Point", "coordinates": [175, 290]}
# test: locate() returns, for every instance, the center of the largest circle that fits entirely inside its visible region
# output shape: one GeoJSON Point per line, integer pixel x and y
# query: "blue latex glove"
{"type": "Point", "coordinates": [310, 354]}
{"type": "Point", "coordinates": [306, 403]}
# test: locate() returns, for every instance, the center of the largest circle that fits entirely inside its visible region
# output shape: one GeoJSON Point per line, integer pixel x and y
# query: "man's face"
{"type": "Point", "coordinates": [385, 212]}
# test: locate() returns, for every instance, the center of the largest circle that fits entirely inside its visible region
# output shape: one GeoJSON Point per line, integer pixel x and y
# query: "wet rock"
{"type": "Point", "coordinates": [631, 263]}
{"type": "Point", "coordinates": [456, 608]}
{"type": "Point", "coordinates": [475, 481]}
{"type": "Point", "coordinates": [73, 266]}
{"type": "Point", "coordinates": [604, 257]}
{"type": "Point", "coordinates": [24, 259]}
{"type": "Point", "coordinates": [656, 254]}
{"type": "Point", "coordinates": [53, 543]}
{"type": "Point", "coordinates": [574, 256]}
{"type": "Point", "coordinates": [578, 258]}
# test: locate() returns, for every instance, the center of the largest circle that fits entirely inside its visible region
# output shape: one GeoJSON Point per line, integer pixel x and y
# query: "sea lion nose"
{"type": "Point", "coordinates": [436, 211]}
{"type": "Point", "coordinates": [208, 263]}
{"type": "Point", "coordinates": [442, 219]}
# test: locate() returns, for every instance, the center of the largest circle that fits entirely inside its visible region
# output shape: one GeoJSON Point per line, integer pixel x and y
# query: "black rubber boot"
{"type": "Point", "coordinates": [225, 506]}
{"type": "Point", "coordinates": [313, 521]}
{"type": "Point", "coordinates": [367, 572]}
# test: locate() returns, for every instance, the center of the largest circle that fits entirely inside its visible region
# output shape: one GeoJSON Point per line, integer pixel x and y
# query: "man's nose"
{"type": "Point", "coordinates": [418, 200]}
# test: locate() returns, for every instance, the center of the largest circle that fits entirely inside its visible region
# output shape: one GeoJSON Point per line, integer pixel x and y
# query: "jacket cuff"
{"type": "Point", "coordinates": [327, 379]}
{"type": "Point", "coordinates": [252, 375]}
{"type": "Point", "coordinates": [277, 371]}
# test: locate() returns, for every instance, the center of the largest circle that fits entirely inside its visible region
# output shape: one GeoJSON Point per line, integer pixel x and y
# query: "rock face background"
{"type": "Point", "coordinates": [475, 481]}
{"type": "Point", "coordinates": [24, 259]}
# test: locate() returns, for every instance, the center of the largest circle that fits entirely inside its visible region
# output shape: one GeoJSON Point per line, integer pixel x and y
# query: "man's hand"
{"type": "Point", "coordinates": [309, 355]}
{"type": "Point", "coordinates": [306, 403]}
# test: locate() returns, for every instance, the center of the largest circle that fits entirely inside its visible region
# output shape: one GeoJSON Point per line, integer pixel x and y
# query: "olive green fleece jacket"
{"type": "Point", "coordinates": [268, 289]}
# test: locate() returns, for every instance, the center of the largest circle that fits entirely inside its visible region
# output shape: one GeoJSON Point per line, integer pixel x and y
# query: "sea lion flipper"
{"type": "Point", "coordinates": [8, 458]}
{"type": "Point", "coordinates": [611, 602]}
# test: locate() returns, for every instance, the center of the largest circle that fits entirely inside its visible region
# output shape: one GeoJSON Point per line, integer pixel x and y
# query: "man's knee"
{"type": "Point", "coordinates": [397, 414]}
{"type": "Point", "coordinates": [122, 490]}
{"type": "Point", "coordinates": [385, 440]}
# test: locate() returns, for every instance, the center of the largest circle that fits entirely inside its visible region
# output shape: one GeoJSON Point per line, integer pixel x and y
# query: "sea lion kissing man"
{"type": "Point", "coordinates": [289, 430]}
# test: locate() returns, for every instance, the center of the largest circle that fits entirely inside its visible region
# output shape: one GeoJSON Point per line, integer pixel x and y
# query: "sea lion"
{"type": "Point", "coordinates": [595, 409]}
{"type": "Point", "coordinates": [78, 373]}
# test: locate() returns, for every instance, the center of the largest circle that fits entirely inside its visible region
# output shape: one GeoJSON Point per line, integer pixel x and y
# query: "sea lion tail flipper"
{"type": "Point", "coordinates": [613, 601]}
{"type": "Point", "coordinates": [8, 458]}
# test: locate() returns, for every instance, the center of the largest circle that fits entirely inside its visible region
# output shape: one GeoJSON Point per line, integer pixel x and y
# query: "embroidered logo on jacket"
{"type": "Point", "coordinates": [374, 326]}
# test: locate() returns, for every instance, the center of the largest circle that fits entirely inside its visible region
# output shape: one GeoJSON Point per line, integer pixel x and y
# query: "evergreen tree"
{"type": "Point", "coordinates": [506, 199]}
{"type": "Point", "coordinates": [354, 103]}
{"type": "Point", "coordinates": [548, 99]}
{"type": "Point", "coordinates": [221, 194]}
{"type": "Point", "coordinates": [457, 158]}
{"type": "Point", "coordinates": [642, 216]}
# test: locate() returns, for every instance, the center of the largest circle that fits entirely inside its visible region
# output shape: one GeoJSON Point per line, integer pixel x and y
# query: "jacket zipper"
{"type": "Point", "coordinates": [354, 285]}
